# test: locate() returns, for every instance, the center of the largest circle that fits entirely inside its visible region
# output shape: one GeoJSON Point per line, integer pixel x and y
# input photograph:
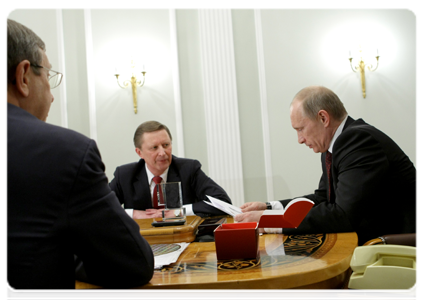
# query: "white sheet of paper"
{"type": "Point", "coordinates": [224, 206]}
{"type": "Point", "coordinates": [167, 259]}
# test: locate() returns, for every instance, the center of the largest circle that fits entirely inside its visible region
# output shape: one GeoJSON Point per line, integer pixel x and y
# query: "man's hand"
{"type": "Point", "coordinates": [147, 214]}
{"type": "Point", "coordinates": [252, 206]}
{"type": "Point", "coordinates": [252, 216]}
{"type": "Point", "coordinates": [170, 214]}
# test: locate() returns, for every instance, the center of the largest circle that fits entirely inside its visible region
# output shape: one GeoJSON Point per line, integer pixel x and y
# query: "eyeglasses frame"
{"type": "Point", "coordinates": [49, 77]}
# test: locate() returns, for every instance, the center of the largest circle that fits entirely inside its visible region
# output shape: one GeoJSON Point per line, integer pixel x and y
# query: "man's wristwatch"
{"type": "Point", "coordinates": [268, 205]}
{"type": "Point", "coordinates": [177, 212]}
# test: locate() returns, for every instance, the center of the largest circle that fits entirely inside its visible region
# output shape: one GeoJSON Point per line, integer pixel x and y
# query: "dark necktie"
{"type": "Point", "coordinates": [328, 162]}
{"type": "Point", "coordinates": [157, 190]}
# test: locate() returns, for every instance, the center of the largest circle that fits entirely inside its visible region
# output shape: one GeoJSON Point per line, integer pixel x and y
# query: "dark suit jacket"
{"type": "Point", "coordinates": [374, 184]}
{"type": "Point", "coordinates": [133, 189]}
{"type": "Point", "coordinates": [60, 205]}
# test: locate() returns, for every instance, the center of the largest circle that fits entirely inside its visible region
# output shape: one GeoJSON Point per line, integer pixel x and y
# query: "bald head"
{"type": "Point", "coordinates": [313, 99]}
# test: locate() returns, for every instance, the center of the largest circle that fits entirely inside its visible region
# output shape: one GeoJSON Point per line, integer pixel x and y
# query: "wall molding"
{"type": "Point", "coordinates": [221, 101]}
{"type": "Point", "coordinates": [264, 107]}
{"type": "Point", "coordinates": [62, 68]}
{"type": "Point", "coordinates": [90, 74]}
{"type": "Point", "coordinates": [176, 83]}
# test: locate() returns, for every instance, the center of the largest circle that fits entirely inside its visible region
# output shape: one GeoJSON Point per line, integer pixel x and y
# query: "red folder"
{"type": "Point", "coordinates": [290, 217]}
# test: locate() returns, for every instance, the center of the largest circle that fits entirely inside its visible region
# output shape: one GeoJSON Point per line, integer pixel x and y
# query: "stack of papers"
{"type": "Point", "coordinates": [161, 260]}
{"type": "Point", "coordinates": [224, 206]}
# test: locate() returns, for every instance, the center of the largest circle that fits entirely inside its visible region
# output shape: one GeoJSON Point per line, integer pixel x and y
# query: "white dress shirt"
{"type": "Point", "coordinates": [188, 207]}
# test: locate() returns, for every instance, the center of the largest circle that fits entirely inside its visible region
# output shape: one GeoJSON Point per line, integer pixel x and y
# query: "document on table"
{"type": "Point", "coordinates": [166, 254]}
{"type": "Point", "coordinates": [224, 206]}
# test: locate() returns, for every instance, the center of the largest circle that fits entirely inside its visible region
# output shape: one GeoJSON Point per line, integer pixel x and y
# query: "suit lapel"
{"type": "Point", "coordinates": [327, 177]}
{"type": "Point", "coordinates": [142, 196]}
{"type": "Point", "coordinates": [334, 182]}
{"type": "Point", "coordinates": [172, 174]}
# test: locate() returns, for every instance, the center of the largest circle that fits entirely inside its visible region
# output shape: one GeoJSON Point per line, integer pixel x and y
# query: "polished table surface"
{"type": "Point", "coordinates": [169, 234]}
{"type": "Point", "coordinates": [294, 261]}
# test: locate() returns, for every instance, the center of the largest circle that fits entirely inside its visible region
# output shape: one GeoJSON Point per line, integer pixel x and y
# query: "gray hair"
{"type": "Point", "coordinates": [22, 44]}
{"type": "Point", "coordinates": [316, 98]}
{"type": "Point", "coordinates": [149, 126]}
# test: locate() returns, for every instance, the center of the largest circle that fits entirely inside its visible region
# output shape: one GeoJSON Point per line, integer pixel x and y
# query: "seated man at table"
{"type": "Point", "coordinates": [369, 184]}
{"type": "Point", "coordinates": [134, 182]}
{"type": "Point", "coordinates": [59, 203]}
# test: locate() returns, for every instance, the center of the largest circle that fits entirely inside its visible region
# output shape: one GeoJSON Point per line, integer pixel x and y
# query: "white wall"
{"type": "Point", "coordinates": [299, 48]}
{"type": "Point", "coordinates": [309, 47]}
{"type": "Point", "coordinates": [47, 31]}
{"type": "Point", "coordinates": [144, 35]}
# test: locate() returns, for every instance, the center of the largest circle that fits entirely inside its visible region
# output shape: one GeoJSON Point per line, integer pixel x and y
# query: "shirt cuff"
{"type": "Point", "coordinates": [273, 230]}
{"type": "Point", "coordinates": [276, 205]}
{"type": "Point", "coordinates": [130, 212]}
{"type": "Point", "coordinates": [188, 210]}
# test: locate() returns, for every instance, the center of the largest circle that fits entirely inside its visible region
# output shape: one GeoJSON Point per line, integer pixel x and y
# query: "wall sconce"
{"type": "Point", "coordinates": [134, 83]}
{"type": "Point", "coordinates": [360, 67]}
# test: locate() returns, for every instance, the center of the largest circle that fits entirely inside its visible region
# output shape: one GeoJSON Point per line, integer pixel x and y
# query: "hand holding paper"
{"type": "Point", "coordinates": [290, 217]}
{"type": "Point", "coordinates": [251, 216]}
{"type": "Point", "coordinates": [252, 206]}
{"type": "Point", "coordinates": [223, 206]}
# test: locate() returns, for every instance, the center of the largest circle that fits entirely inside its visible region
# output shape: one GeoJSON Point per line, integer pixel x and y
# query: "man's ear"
{"type": "Point", "coordinates": [324, 117]}
{"type": "Point", "coordinates": [22, 77]}
{"type": "Point", "coordinates": [139, 152]}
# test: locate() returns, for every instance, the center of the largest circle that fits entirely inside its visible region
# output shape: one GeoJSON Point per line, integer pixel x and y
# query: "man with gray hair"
{"type": "Point", "coordinates": [368, 183]}
{"type": "Point", "coordinates": [59, 204]}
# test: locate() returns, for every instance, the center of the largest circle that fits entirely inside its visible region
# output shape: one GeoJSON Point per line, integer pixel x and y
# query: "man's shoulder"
{"type": "Point", "coordinates": [181, 162]}
{"type": "Point", "coordinates": [351, 123]}
{"type": "Point", "coordinates": [360, 126]}
{"type": "Point", "coordinates": [359, 132]}
{"type": "Point", "coordinates": [20, 121]}
{"type": "Point", "coordinates": [131, 167]}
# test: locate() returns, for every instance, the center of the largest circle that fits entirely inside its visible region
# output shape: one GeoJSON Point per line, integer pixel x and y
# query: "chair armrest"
{"type": "Point", "coordinates": [377, 241]}
{"type": "Point", "coordinates": [406, 239]}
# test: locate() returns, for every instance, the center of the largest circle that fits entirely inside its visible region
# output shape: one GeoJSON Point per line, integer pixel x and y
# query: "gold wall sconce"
{"type": "Point", "coordinates": [134, 81]}
{"type": "Point", "coordinates": [361, 66]}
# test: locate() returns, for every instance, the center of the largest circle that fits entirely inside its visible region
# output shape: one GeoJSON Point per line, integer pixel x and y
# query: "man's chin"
{"type": "Point", "coordinates": [163, 166]}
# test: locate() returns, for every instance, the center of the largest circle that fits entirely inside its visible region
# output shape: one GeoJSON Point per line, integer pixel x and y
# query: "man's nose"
{"type": "Point", "coordinates": [161, 151]}
{"type": "Point", "coordinates": [301, 140]}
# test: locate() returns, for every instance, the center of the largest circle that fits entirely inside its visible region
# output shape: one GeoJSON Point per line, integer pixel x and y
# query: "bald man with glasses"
{"type": "Point", "coordinates": [59, 204]}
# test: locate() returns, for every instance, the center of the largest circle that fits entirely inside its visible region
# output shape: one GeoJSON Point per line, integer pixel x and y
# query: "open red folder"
{"type": "Point", "coordinates": [290, 217]}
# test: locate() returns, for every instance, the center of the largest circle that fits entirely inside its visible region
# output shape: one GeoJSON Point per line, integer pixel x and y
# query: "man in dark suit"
{"type": "Point", "coordinates": [134, 183]}
{"type": "Point", "coordinates": [370, 186]}
{"type": "Point", "coordinates": [59, 202]}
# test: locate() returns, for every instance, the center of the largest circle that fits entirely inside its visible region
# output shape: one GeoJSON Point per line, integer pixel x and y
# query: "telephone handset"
{"type": "Point", "coordinates": [383, 267]}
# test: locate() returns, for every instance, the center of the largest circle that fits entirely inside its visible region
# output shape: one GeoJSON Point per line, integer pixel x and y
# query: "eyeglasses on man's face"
{"type": "Point", "coordinates": [54, 79]}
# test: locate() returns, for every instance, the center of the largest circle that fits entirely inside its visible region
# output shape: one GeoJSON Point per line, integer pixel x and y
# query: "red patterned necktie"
{"type": "Point", "coordinates": [328, 162]}
{"type": "Point", "coordinates": [157, 190]}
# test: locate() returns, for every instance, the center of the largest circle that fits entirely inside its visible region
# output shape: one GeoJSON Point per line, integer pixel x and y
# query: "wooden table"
{"type": "Point", "coordinates": [169, 234]}
{"type": "Point", "coordinates": [297, 261]}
